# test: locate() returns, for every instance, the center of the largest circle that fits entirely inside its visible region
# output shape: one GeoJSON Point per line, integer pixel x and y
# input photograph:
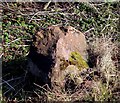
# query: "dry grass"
{"type": "Point", "coordinates": [108, 64]}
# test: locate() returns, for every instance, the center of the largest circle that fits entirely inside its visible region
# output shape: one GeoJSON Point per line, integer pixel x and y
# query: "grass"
{"type": "Point", "coordinates": [22, 20]}
{"type": "Point", "coordinates": [106, 51]}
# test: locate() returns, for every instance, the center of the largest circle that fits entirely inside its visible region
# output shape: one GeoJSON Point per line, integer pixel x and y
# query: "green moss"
{"type": "Point", "coordinates": [76, 59]}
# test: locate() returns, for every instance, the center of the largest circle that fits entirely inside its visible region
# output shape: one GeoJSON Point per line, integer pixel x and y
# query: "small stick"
{"type": "Point", "coordinates": [46, 6]}
{"type": "Point", "coordinates": [89, 30]}
{"type": "Point", "coordinates": [8, 84]}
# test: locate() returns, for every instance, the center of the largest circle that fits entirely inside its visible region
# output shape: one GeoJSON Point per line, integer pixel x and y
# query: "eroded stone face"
{"type": "Point", "coordinates": [73, 40]}
{"type": "Point", "coordinates": [52, 45]}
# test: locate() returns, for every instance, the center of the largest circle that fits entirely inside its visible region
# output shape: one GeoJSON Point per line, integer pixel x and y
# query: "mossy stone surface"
{"type": "Point", "coordinates": [76, 59]}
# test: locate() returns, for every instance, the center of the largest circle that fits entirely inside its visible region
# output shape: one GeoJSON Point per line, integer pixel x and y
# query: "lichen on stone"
{"type": "Point", "coordinates": [76, 59]}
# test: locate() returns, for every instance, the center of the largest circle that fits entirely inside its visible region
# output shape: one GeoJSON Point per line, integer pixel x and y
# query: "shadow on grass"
{"type": "Point", "coordinates": [15, 78]}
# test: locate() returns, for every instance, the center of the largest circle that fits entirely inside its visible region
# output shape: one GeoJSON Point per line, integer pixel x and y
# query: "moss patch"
{"type": "Point", "coordinates": [76, 59]}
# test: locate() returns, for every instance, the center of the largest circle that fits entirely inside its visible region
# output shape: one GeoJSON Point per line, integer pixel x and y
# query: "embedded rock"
{"type": "Point", "coordinates": [50, 47]}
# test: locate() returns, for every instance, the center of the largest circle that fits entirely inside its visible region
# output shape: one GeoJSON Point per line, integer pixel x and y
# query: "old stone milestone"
{"type": "Point", "coordinates": [54, 51]}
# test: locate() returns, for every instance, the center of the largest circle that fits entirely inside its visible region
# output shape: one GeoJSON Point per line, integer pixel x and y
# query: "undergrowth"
{"type": "Point", "coordinates": [100, 24]}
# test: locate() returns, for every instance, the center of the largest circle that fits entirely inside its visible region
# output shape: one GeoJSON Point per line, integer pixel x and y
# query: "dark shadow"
{"type": "Point", "coordinates": [16, 77]}
{"type": "Point", "coordinates": [44, 62]}
{"type": "Point", "coordinates": [92, 58]}
{"type": "Point", "coordinates": [13, 76]}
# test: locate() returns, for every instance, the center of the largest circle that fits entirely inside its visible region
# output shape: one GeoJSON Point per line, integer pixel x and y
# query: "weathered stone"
{"type": "Point", "coordinates": [73, 41]}
{"type": "Point", "coordinates": [53, 45]}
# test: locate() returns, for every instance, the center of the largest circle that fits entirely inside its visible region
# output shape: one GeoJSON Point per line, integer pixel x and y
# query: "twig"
{"type": "Point", "coordinates": [46, 13]}
{"type": "Point", "coordinates": [38, 19]}
{"type": "Point", "coordinates": [43, 88]}
{"type": "Point", "coordinates": [8, 84]}
{"type": "Point", "coordinates": [41, 13]}
{"type": "Point", "coordinates": [99, 4]}
{"type": "Point", "coordinates": [46, 6]}
{"type": "Point", "coordinates": [37, 94]}
{"type": "Point", "coordinates": [12, 80]}
{"type": "Point", "coordinates": [14, 87]}
{"type": "Point", "coordinates": [105, 27]}
{"type": "Point", "coordinates": [18, 45]}
{"type": "Point", "coordinates": [18, 91]}
{"type": "Point", "coordinates": [47, 87]}
{"type": "Point", "coordinates": [14, 41]}
{"type": "Point", "coordinates": [89, 30]}
{"type": "Point", "coordinates": [40, 87]}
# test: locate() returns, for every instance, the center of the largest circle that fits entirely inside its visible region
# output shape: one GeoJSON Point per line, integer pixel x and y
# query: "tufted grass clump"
{"type": "Point", "coordinates": [107, 62]}
{"type": "Point", "coordinates": [101, 92]}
